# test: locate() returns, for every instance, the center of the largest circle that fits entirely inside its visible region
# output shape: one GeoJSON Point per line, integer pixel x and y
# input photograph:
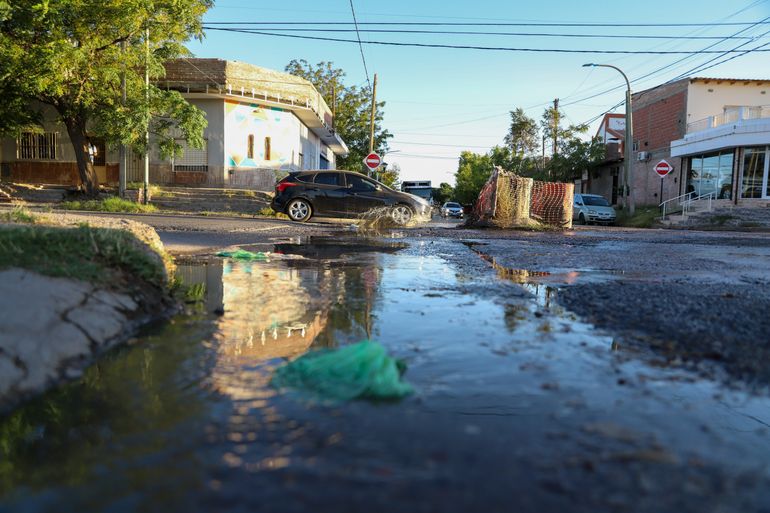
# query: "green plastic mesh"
{"type": "Point", "coordinates": [358, 371]}
{"type": "Point", "coordinates": [242, 254]}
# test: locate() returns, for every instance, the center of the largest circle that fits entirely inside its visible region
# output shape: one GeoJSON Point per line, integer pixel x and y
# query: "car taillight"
{"type": "Point", "coordinates": [283, 186]}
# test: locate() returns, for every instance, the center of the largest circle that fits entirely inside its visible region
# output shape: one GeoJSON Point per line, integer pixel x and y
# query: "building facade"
{"type": "Point", "coordinates": [714, 132]}
{"type": "Point", "coordinates": [261, 124]}
{"type": "Point", "coordinates": [605, 178]}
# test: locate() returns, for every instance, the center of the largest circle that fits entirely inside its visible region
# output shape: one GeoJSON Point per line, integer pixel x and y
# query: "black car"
{"type": "Point", "coordinates": [304, 194]}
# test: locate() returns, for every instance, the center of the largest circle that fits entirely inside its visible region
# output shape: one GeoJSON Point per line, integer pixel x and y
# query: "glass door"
{"type": "Point", "coordinates": [754, 183]}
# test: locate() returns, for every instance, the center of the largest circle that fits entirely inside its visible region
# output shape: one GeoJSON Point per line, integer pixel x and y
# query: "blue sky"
{"type": "Point", "coordinates": [442, 101]}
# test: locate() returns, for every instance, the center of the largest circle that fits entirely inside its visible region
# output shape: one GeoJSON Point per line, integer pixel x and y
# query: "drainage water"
{"type": "Point", "coordinates": [510, 395]}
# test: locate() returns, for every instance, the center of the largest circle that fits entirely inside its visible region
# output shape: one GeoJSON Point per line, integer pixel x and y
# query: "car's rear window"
{"type": "Point", "coordinates": [327, 178]}
{"type": "Point", "coordinates": [305, 177]}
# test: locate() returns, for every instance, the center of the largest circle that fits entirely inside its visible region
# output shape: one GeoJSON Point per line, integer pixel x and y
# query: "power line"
{"type": "Point", "coordinates": [670, 65]}
{"type": "Point", "coordinates": [475, 47]}
{"type": "Point", "coordinates": [486, 33]}
{"type": "Point", "coordinates": [491, 24]}
{"type": "Point", "coordinates": [704, 66]}
{"type": "Point", "coordinates": [360, 46]}
{"type": "Point", "coordinates": [420, 156]}
{"type": "Point", "coordinates": [436, 144]}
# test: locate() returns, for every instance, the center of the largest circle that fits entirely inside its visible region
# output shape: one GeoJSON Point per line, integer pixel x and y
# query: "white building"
{"type": "Point", "coordinates": [261, 123]}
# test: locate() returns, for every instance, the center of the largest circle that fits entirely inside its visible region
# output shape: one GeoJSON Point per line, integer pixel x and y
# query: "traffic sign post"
{"type": "Point", "coordinates": [663, 168]}
{"type": "Point", "coordinates": [372, 161]}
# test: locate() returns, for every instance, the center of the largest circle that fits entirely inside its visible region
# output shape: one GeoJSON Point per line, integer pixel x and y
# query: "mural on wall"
{"type": "Point", "coordinates": [243, 120]}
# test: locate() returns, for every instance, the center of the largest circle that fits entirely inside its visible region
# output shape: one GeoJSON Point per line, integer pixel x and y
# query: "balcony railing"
{"type": "Point", "coordinates": [732, 115]}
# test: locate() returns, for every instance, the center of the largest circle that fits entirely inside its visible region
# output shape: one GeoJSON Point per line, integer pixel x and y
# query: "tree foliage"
{"type": "Point", "coordinates": [352, 105]}
{"type": "Point", "coordinates": [391, 176]}
{"type": "Point", "coordinates": [70, 55]}
{"type": "Point", "coordinates": [523, 136]}
{"type": "Point", "coordinates": [443, 193]}
{"type": "Point", "coordinates": [574, 154]}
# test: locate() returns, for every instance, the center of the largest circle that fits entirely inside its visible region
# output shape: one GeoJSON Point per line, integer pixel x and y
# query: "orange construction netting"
{"type": "Point", "coordinates": [508, 200]}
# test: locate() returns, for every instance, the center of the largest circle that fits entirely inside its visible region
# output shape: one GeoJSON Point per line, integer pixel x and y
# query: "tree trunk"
{"type": "Point", "coordinates": [76, 128]}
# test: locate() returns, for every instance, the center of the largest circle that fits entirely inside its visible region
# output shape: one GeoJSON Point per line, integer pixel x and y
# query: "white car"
{"type": "Point", "coordinates": [592, 208]}
{"type": "Point", "coordinates": [452, 209]}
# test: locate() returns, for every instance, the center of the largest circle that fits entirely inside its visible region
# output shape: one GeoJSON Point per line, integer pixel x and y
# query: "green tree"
{"type": "Point", "coordinates": [472, 173]}
{"type": "Point", "coordinates": [443, 193]}
{"type": "Point", "coordinates": [352, 105]}
{"type": "Point", "coordinates": [523, 136]}
{"type": "Point", "coordinates": [391, 176]}
{"type": "Point", "coordinates": [70, 55]}
{"type": "Point", "coordinates": [575, 155]}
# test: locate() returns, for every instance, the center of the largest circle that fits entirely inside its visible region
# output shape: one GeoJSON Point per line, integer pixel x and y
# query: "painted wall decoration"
{"type": "Point", "coordinates": [242, 120]}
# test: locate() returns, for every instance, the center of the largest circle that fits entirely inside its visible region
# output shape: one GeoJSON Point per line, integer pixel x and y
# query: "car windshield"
{"type": "Point", "coordinates": [595, 201]}
{"type": "Point", "coordinates": [452, 205]}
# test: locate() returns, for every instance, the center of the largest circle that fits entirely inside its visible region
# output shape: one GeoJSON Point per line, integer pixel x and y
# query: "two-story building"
{"type": "Point", "coordinates": [714, 131]}
{"type": "Point", "coordinates": [261, 123]}
{"type": "Point", "coordinates": [605, 179]}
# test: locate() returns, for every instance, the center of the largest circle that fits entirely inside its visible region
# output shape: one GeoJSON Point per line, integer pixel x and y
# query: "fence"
{"type": "Point", "coordinates": [508, 200]}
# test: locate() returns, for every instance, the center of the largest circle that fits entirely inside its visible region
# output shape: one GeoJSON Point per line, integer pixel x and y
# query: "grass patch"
{"type": "Point", "coordinates": [644, 217]}
{"type": "Point", "coordinates": [18, 215]}
{"type": "Point", "coordinates": [269, 212]}
{"type": "Point", "coordinates": [84, 253]}
{"type": "Point", "coordinates": [113, 204]}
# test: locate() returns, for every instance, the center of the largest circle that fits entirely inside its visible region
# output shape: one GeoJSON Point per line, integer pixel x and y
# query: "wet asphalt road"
{"type": "Point", "coordinates": [605, 370]}
{"type": "Point", "coordinates": [700, 299]}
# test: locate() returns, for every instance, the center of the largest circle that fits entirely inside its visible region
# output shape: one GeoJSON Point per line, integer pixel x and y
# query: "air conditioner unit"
{"type": "Point", "coordinates": [643, 156]}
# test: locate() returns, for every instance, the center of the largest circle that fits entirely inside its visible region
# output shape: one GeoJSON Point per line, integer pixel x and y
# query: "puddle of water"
{"type": "Point", "coordinates": [184, 418]}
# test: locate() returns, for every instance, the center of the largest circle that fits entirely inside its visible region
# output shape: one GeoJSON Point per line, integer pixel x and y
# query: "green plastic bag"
{"type": "Point", "coordinates": [358, 371]}
{"type": "Point", "coordinates": [242, 254]}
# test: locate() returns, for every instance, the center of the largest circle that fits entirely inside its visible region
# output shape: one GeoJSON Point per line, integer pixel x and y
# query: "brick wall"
{"type": "Point", "coordinates": [659, 117]}
{"type": "Point", "coordinates": [65, 173]}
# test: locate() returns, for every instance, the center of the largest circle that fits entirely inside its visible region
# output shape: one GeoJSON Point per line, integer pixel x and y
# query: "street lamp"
{"type": "Point", "coordinates": [629, 143]}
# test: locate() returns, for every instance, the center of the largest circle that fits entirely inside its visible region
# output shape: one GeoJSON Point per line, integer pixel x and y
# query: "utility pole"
{"type": "Point", "coordinates": [628, 143]}
{"type": "Point", "coordinates": [555, 126]}
{"type": "Point", "coordinates": [147, 113]}
{"type": "Point", "coordinates": [122, 152]}
{"type": "Point", "coordinates": [371, 117]}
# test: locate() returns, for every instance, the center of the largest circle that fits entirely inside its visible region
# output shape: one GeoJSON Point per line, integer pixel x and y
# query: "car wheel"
{"type": "Point", "coordinates": [401, 214]}
{"type": "Point", "coordinates": [299, 210]}
{"type": "Point", "coordinates": [582, 219]}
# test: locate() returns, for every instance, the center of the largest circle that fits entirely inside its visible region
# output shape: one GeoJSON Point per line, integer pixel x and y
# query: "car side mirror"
{"type": "Point", "coordinates": [579, 203]}
{"type": "Point", "coordinates": [377, 188]}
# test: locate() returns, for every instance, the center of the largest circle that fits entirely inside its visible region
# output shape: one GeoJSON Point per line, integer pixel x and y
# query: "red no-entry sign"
{"type": "Point", "coordinates": [663, 168]}
{"type": "Point", "coordinates": [372, 161]}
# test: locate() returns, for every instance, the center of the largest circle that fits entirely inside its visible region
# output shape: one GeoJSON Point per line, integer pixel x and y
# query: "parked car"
{"type": "Point", "coordinates": [452, 209]}
{"type": "Point", "coordinates": [302, 195]}
{"type": "Point", "coordinates": [592, 208]}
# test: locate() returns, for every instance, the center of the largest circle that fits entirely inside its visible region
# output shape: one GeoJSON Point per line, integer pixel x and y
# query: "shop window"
{"type": "Point", "coordinates": [32, 146]}
{"type": "Point", "coordinates": [711, 173]}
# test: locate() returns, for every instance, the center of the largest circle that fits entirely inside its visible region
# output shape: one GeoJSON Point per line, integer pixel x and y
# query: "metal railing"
{"type": "Point", "coordinates": [732, 115]}
{"type": "Point", "coordinates": [685, 202]}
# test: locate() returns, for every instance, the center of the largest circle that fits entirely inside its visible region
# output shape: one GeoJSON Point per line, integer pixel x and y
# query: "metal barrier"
{"type": "Point", "coordinates": [685, 201]}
